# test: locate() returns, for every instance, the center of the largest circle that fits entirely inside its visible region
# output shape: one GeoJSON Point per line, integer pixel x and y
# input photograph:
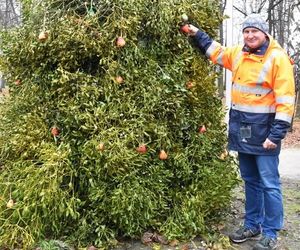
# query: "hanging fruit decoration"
{"type": "Point", "coordinates": [55, 131]}
{"type": "Point", "coordinates": [163, 155]}
{"type": "Point", "coordinates": [142, 149]}
{"type": "Point", "coordinates": [101, 146]}
{"type": "Point", "coordinates": [120, 42]}
{"type": "Point", "coordinates": [224, 155]}
{"type": "Point", "coordinates": [18, 82]}
{"type": "Point", "coordinates": [43, 36]}
{"type": "Point", "coordinates": [185, 29]}
{"type": "Point", "coordinates": [202, 129]}
{"type": "Point", "coordinates": [10, 203]}
{"type": "Point", "coordinates": [119, 79]}
{"type": "Point", "coordinates": [189, 85]}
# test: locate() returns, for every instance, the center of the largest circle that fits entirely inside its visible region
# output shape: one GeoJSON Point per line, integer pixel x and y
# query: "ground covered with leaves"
{"type": "Point", "coordinates": [292, 138]}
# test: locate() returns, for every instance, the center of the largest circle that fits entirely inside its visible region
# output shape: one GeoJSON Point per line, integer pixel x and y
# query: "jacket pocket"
{"type": "Point", "coordinates": [254, 132]}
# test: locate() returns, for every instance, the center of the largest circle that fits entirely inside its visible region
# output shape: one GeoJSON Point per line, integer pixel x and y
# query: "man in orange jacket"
{"type": "Point", "coordinates": [263, 95]}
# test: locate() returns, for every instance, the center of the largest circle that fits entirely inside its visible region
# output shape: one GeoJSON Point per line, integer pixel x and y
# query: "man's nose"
{"type": "Point", "coordinates": [250, 34]}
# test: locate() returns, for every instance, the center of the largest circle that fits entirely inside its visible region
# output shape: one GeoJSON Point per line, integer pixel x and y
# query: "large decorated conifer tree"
{"type": "Point", "coordinates": [112, 126]}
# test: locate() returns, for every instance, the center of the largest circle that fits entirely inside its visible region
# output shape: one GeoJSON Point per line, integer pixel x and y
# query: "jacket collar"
{"type": "Point", "coordinates": [257, 51]}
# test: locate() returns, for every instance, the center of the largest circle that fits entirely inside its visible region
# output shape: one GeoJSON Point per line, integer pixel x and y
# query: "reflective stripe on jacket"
{"type": "Point", "coordinates": [261, 83]}
{"type": "Point", "coordinates": [263, 92]}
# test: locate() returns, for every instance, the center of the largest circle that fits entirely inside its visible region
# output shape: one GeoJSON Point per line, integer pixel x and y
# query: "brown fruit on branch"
{"type": "Point", "coordinates": [119, 79]}
{"type": "Point", "coordinates": [10, 203]}
{"type": "Point", "coordinates": [142, 149]}
{"type": "Point", "coordinates": [43, 36]}
{"type": "Point", "coordinates": [185, 29]}
{"type": "Point", "coordinates": [18, 82]}
{"type": "Point", "coordinates": [224, 155]}
{"type": "Point", "coordinates": [54, 131]}
{"type": "Point", "coordinates": [101, 146]}
{"type": "Point", "coordinates": [163, 155]}
{"type": "Point", "coordinates": [202, 129]}
{"type": "Point", "coordinates": [120, 42]}
{"type": "Point", "coordinates": [189, 85]}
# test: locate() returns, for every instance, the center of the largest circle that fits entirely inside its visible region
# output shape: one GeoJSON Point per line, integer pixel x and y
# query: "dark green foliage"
{"type": "Point", "coordinates": [64, 185]}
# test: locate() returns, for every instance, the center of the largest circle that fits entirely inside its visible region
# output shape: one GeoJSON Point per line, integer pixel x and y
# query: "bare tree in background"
{"type": "Point", "coordinates": [283, 19]}
{"type": "Point", "coordinates": [9, 13]}
{"type": "Point", "coordinates": [9, 17]}
{"type": "Point", "coordinates": [221, 85]}
{"type": "Point", "coordinates": [279, 14]}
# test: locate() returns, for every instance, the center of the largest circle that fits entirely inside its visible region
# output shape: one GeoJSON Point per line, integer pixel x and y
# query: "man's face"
{"type": "Point", "coordinates": [253, 37]}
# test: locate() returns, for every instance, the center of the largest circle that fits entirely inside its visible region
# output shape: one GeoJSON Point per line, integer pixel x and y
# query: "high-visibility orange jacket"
{"type": "Point", "coordinates": [263, 92]}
